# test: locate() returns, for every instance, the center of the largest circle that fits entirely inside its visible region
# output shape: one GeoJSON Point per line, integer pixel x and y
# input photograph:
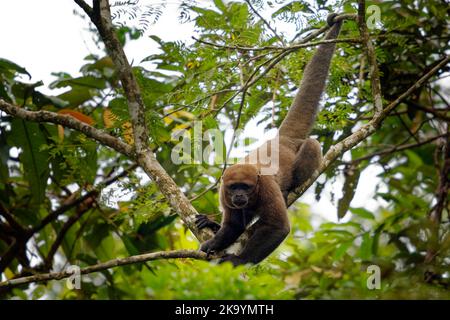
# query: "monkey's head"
{"type": "Point", "coordinates": [240, 186]}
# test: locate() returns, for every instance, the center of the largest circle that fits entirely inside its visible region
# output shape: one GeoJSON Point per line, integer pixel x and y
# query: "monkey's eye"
{"type": "Point", "coordinates": [239, 186]}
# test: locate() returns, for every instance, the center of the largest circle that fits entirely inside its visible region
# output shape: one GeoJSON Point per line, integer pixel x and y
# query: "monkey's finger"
{"type": "Point", "coordinates": [202, 224]}
{"type": "Point", "coordinates": [201, 219]}
{"type": "Point", "coordinates": [200, 216]}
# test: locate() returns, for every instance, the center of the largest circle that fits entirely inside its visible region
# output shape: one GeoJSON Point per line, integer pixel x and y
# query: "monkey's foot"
{"type": "Point", "coordinates": [330, 18]}
{"type": "Point", "coordinates": [234, 259]}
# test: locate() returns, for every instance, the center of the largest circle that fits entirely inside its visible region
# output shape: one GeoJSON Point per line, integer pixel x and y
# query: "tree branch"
{"type": "Point", "coordinates": [80, 211]}
{"type": "Point", "coordinates": [108, 265]}
{"type": "Point", "coordinates": [10, 219]}
{"type": "Point", "coordinates": [372, 58]}
{"type": "Point", "coordinates": [441, 199]}
{"type": "Point", "coordinates": [86, 8]}
{"type": "Point", "coordinates": [101, 18]}
{"type": "Point", "coordinates": [69, 122]}
{"type": "Point", "coordinates": [277, 48]}
{"type": "Point", "coordinates": [437, 113]}
{"type": "Point", "coordinates": [397, 148]}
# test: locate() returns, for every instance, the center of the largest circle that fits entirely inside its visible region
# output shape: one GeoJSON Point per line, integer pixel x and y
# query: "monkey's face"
{"type": "Point", "coordinates": [239, 194]}
{"type": "Point", "coordinates": [240, 185]}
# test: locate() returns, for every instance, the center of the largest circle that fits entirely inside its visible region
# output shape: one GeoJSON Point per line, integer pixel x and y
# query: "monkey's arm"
{"type": "Point", "coordinates": [264, 240]}
{"type": "Point", "coordinates": [232, 227]}
{"type": "Point", "coordinates": [302, 113]}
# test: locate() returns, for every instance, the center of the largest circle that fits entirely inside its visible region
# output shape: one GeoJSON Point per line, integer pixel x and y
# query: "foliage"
{"type": "Point", "coordinates": [44, 167]}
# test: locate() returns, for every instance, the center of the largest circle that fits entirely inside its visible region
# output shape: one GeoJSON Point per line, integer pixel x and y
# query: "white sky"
{"type": "Point", "coordinates": [45, 36]}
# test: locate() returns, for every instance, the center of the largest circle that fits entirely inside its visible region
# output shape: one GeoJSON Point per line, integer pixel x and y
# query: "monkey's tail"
{"type": "Point", "coordinates": [302, 114]}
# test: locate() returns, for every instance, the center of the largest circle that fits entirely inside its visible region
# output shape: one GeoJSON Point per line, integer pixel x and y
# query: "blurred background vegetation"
{"type": "Point", "coordinates": [59, 190]}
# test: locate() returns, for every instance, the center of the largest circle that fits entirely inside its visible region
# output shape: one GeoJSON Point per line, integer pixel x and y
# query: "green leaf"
{"type": "Point", "coordinates": [129, 245]}
{"type": "Point", "coordinates": [319, 254]}
{"type": "Point", "coordinates": [77, 96]}
{"type": "Point", "coordinates": [41, 100]}
{"type": "Point", "coordinates": [219, 4]}
{"type": "Point", "coordinates": [414, 160]}
{"type": "Point", "coordinates": [341, 250]}
{"type": "Point", "coordinates": [376, 239]}
{"type": "Point", "coordinates": [87, 81]}
{"type": "Point", "coordinates": [351, 183]}
{"type": "Point", "coordinates": [7, 65]}
{"type": "Point", "coordinates": [365, 251]}
{"type": "Point", "coordinates": [363, 213]}
{"type": "Point", "coordinates": [29, 137]}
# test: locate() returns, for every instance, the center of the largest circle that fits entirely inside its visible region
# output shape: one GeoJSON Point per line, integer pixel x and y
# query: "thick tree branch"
{"type": "Point", "coordinates": [69, 122]}
{"type": "Point", "coordinates": [108, 265]}
{"type": "Point", "coordinates": [101, 18]}
{"type": "Point", "coordinates": [86, 8]}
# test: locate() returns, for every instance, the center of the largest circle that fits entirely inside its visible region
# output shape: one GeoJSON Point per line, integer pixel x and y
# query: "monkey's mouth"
{"type": "Point", "coordinates": [240, 203]}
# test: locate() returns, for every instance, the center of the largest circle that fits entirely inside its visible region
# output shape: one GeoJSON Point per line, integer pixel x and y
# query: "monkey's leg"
{"type": "Point", "coordinates": [307, 160]}
{"type": "Point", "coordinates": [230, 230]}
{"type": "Point", "coordinates": [264, 240]}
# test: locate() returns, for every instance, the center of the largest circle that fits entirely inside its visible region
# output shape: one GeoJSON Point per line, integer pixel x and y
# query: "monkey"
{"type": "Point", "coordinates": [242, 198]}
{"type": "Point", "coordinates": [257, 202]}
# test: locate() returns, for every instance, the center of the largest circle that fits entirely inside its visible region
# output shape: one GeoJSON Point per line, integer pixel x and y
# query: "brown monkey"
{"type": "Point", "coordinates": [246, 194]}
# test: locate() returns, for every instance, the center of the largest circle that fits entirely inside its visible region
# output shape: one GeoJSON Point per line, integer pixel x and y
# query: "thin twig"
{"type": "Point", "coordinates": [265, 21]}
{"type": "Point", "coordinates": [278, 48]}
{"type": "Point", "coordinates": [10, 219]}
{"type": "Point", "coordinates": [437, 113]}
{"type": "Point", "coordinates": [372, 58]}
{"type": "Point", "coordinates": [442, 190]}
{"type": "Point", "coordinates": [397, 148]}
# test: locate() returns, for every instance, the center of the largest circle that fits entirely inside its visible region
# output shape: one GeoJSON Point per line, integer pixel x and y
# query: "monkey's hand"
{"type": "Point", "coordinates": [202, 221]}
{"type": "Point", "coordinates": [209, 246]}
{"type": "Point", "coordinates": [234, 259]}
